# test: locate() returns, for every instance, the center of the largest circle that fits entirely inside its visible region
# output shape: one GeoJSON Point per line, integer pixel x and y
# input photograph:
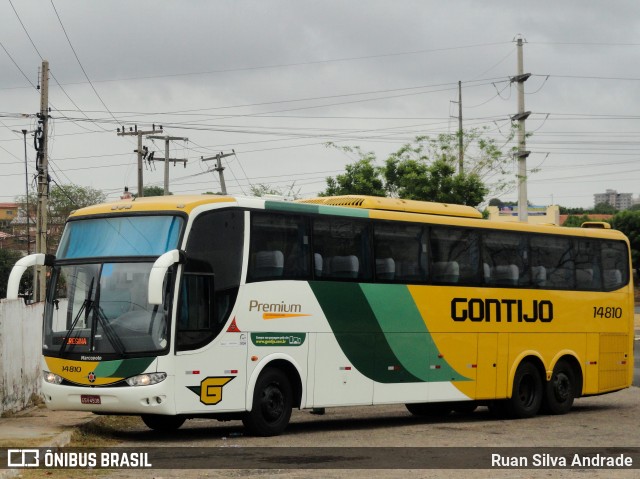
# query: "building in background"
{"type": "Point", "coordinates": [8, 212]}
{"type": "Point", "coordinates": [537, 215]}
{"type": "Point", "coordinates": [620, 201]}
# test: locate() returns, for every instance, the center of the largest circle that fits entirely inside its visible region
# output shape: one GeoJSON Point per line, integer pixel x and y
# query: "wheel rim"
{"type": "Point", "coordinates": [526, 391]}
{"type": "Point", "coordinates": [273, 403]}
{"type": "Point", "coordinates": [562, 387]}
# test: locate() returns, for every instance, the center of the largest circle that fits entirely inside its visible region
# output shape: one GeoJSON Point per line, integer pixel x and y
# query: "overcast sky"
{"type": "Point", "coordinates": [276, 80]}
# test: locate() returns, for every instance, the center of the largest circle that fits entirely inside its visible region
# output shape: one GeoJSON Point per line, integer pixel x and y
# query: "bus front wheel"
{"type": "Point", "coordinates": [560, 390]}
{"type": "Point", "coordinates": [162, 423]}
{"type": "Point", "coordinates": [272, 402]}
{"type": "Point", "coordinates": [526, 396]}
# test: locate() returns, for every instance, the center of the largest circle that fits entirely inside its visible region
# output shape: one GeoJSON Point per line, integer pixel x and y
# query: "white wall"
{"type": "Point", "coordinates": [20, 352]}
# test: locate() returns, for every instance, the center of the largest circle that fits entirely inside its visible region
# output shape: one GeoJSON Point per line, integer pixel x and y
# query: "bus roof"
{"type": "Point", "coordinates": [397, 204]}
{"type": "Point", "coordinates": [349, 205]}
{"type": "Point", "coordinates": [183, 203]}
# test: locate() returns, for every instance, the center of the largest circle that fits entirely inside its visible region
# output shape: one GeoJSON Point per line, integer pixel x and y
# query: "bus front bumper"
{"type": "Point", "coordinates": [134, 400]}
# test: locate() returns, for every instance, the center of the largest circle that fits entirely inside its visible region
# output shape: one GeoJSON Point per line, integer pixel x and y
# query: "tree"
{"type": "Point", "coordinates": [605, 209]}
{"type": "Point", "coordinates": [629, 223]}
{"type": "Point", "coordinates": [575, 221]}
{"type": "Point", "coordinates": [62, 201]}
{"type": "Point", "coordinates": [7, 259]}
{"type": "Point", "coordinates": [426, 169]}
{"type": "Point", "coordinates": [262, 189]}
{"type": "Point", "coordinates": [154, 191]}
{"type": "Point", "coordinates": [362, 177]}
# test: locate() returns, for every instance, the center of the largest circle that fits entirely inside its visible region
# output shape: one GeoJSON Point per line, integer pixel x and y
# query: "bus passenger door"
{"type": "Point", "coordinates": [211, 364]}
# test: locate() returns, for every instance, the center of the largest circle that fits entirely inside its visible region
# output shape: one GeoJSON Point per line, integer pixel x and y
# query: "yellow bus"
{"type": "Point", "coordinates": [181, 307]}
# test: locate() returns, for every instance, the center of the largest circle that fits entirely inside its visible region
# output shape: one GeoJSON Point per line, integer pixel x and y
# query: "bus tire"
{"type": "Point", "coordinates": [272, 402]}
{"type": "Point", "coordinates": [162, 423]}
{"type": "Point", "coordinates": [425, 409]}
{"type": "Point", "coordinates": [527, 392]}
{"type": "Point", "coordinates": [560, 391]}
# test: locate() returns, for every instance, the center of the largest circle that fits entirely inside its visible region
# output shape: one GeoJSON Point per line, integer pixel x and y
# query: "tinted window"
{"type": "Point", "coordinates": [504, 257]}
{"type": "Point", "coordinates": [400, 252]}
{"type": "Point", "coordinates": [615, 269]}
{"type": "Point", "coordinates": [552, 264]}
{"type": "Point", "coordinates": [455, 255]}
{"type": "Point", "coordinates": [587, 262]}
{"type": "Point", "coordinates": [341, 246]}
{"type": "Point", "coordinates": [214, 256]}
{"type": "Point", "coordinates": [279, 247]}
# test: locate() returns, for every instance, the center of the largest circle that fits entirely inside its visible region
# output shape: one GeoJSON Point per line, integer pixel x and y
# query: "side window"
{"type": "Point", "coordinates": [197, 323]}
{"type": "Point", "coordinates": [552, 259]}
{"type": "Point", "coordinates": [400, 252]}
{"type": "Point", "coordinates": [587, 261]}
{"type": "Point", "coordinates": [455, 256]}
{"type": "Point", "coordinates": [341, 249]}
{"type": "Point", "coordinates": [279, 247]}
{"type": "Point", "coordinates": [504, 259]}
{"type": "Point", "coordinates": [615, 265]}
{"type": "Point", "coordinates": [211, 277]}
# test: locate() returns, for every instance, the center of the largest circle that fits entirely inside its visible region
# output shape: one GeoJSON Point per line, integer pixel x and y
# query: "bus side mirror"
{"type": "Point", "coordinates": [37, 259]}
{"type": "Point", "coordinates": [158, 272]}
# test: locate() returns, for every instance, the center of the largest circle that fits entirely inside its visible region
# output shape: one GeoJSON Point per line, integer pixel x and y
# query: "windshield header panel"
{"type": "Point", "coordinates": [120, 236]}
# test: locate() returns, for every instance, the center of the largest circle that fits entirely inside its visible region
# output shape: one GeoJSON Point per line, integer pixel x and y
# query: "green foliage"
{"type": "Point", "coordinates": [7, 259]}
{"type": "Point", "coordinates": [427, 169]}
{"type": "Point", "coordinates": [605, 209]}
{"type": "Point", "coordinates": [572, 211]}
{"type": "Point", "coordinates": [63, 200]}
{"type": "Point", "coordinates": [154, 191]}
{"type": "Point", "coordinates": [575, 221]}
{"type": "Point", "coordinates": [629, 223]}
{"type": "Point", "coordinates": [361, 178]}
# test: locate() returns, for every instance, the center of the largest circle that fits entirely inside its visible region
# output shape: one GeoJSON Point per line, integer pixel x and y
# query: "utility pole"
{"type": "Point", "coordinates": [219, 168]}
{"type": "Point", "coordinates": [522, 152]}
{"type": "Point", "coordinates": [460, 142]}
{"type": "Point", "coordinates": [42, 164]}
{"type": "Point", "coordinates": [139, 151]}
{"type": "Point", "coordinates": [166, 158]}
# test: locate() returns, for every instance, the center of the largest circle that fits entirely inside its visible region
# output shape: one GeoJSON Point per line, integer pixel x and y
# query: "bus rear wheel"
{"type": "Point", "coordinates": [560, 391]}
{"type": "Point", "coordinates": [526, 396]}
{"type": "Point", "coordinates": [162, 423]}
{"type": "Point", "coordinates": [272, 402]}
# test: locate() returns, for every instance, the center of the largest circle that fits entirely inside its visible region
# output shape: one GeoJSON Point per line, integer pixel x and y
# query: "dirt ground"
{"type": "Point", "coordinates": [601, 422]}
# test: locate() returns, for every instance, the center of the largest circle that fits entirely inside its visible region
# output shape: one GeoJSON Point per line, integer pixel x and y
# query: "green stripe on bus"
{"type": "Point", "coordinates": [304, 208]}
{"type": "Point", "coordinates": [406, 332]}
{"type": "Point", "coordinates": [123, 368]}
{"type": "Point", "coordinates": [358, 332]}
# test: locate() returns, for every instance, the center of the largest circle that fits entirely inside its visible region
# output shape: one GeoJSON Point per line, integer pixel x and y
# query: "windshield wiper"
{"type": "Point", "coordinates": [111, 335]}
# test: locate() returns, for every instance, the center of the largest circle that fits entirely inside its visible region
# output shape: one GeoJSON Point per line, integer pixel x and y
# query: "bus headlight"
{"type": "Point", "coordinates": [146, 379]}
{"type": "Point", "coordinates": [51, 378]}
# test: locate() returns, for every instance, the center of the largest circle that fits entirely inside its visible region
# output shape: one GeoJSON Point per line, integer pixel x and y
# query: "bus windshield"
{"type": "Point", "coordinates": [120, 236]}
{"type": "Point", "coordinates": [102, 309]}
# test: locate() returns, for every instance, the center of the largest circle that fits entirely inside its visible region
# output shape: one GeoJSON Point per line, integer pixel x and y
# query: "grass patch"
{"type": "Point", "coordinates": [104, 431]}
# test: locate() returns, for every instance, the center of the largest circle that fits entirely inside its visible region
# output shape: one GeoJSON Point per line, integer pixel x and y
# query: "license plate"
{"type": "Point", "coordinates": [90, 399]}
